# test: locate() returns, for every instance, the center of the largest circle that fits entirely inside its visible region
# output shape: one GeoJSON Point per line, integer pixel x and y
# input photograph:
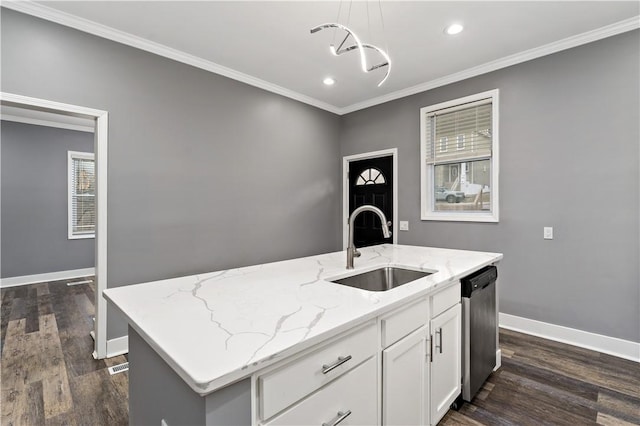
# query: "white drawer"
{"type": "Point", "coordinates": [298, 378]}
{"type": "Point", "coordinates": [445, 299]}
{"type": "Point", "coordinates": [353, 393]}
{"type": "Point", "coordinates": [403, 321]}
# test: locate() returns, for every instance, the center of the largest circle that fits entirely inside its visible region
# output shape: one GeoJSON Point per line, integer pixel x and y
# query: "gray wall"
{"type": "Point", "coordinates": [569, 158]}
{"type": "Point", "coordinates": [205, 173]}
{"type": "Point", "coordinates": [34, 200]}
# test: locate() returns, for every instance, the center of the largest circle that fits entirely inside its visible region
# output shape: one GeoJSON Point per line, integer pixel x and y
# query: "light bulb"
{"type": "Point", "coordinates": [328, 81]}
{"type": "Point", "coordinates": [454, 29]}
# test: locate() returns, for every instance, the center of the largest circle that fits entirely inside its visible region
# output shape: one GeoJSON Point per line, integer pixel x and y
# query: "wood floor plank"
{"type": "Point", "coordinates": [485, 417]}
{"type": "Point", "coordinates": [584, 371]}
{"type": "Point", "coordinates": [41, 289]}
{"type": "Point", "coordinates": [5, 313]}
{"type": "Point", "coordinates": [562, 382]}
{"type": "Point", "coordinates": [45, 306]}
{"type": "Point", "coordinates": [12, 373]}
{"type": "Point", "coordinates": [31, 311]}
{"type": "Point", "coordinates": [16, 373]}
{"type": "Point", "coordinates": [18, 309]}
{"type": "Point", "coordinates": [521, 404]}
{"type": "Point", "coordinates": [607, 420]}
{"type": "Point", "coordinates": [65, 419]}
{"type": "Point", "coordinates": [73, 346]}
{"type": "Point", "coordinates": [35, 398]}
{"type": "Point", "coordinates": [102, 402]}
{"type": "Point", "coordinates": [454, 418]}
{"type": "Point", "coordinates": [55, 382]}
{"type": "Point", "coordinates": [619, 405]}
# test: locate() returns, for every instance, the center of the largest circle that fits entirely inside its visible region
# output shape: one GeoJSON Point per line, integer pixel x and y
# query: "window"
{"type": "Point", "coordinates": [460, 184]}
{"type": "Point", "coordinates": [370, 176]}
{"type": "Point", "coordinates": [82, 195]}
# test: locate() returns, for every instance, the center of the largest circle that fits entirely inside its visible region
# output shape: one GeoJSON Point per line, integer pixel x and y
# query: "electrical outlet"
{"type": "Point", "coordinates": [404, 225]}
{"type": "Point", "coordinates": [548, 233]}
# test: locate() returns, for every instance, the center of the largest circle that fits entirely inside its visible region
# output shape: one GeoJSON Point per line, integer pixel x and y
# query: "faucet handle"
{"type": "Point", "coordinates": [389, 224]}
{"type": "Point", "coordinates": [356, 253]}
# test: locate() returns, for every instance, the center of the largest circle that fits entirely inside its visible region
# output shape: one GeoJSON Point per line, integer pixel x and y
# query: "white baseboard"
{"type": "Point", "coordinates": [51, 276]}
{"type": "Point", "coordinates": [117, 346]}
{"type": "Point", "coordinates": [584, 339]}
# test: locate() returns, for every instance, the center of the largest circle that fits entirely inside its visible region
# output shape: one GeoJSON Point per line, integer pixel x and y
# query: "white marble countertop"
{"type": "Point", "coordinates": [214, 329]}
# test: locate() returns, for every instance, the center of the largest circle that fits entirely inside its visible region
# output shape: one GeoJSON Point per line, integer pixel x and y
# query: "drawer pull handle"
{"type": "Point", "coordinates": [341, 360]}
{"type": "Point", "coordinates": [339, 418]}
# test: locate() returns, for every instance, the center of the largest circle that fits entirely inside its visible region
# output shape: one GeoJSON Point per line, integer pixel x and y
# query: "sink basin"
{"type": "Point", "coordinates": [382, 279]}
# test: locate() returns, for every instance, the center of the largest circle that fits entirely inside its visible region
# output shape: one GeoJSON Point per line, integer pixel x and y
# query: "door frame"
{"type": "Point", "coordinates": [100, 148]}
{"type": "Point", "coordinates": [393, 152]}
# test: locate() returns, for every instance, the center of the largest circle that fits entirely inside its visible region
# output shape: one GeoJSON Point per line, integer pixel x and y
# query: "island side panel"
{"type": "Point", "coordinates": [230, 406]}
{"type": "Point", "coordinates": [156, 392]}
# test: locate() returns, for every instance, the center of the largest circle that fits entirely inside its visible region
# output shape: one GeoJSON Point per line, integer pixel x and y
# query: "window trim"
{"type": "Point", "coordinates": [427, 170]}
{"type": "Point", "coordinates": [72, 155]}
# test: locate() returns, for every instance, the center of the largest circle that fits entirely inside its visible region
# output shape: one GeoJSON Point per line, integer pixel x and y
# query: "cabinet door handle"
{"type": "Point", "coordinates": [339, 418]}
{"type": "Point", "coordinates": [439, 333]}
{"type": "Point", "coordinates": [341, 360]}
{"type": "Point", "coordinates": [431, 348]}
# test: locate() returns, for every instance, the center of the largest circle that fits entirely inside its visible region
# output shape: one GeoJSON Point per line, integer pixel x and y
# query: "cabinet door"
{"type": "Point", "coordinates": [446, 365]}
{"type": "Point", "coordinates": [405, 380]}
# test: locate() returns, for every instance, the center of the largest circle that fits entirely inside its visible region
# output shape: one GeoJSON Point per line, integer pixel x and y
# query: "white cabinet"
{"type": "Point", "coordinates": [421, 373]}
{"type": "Point", "coordinates": [403, 368]}
{"type": "Point", "coordinates": [405, 378]}
{"type": "Point", "coordinates": [446, 364]}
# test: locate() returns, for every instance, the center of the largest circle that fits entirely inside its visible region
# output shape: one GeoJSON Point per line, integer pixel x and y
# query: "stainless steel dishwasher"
{"type": "Point", "coordinates": [479, 329]}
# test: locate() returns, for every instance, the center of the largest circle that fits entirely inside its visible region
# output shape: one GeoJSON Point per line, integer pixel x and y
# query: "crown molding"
{"type": "Point", "coordinates": [85, 25]}
{"type": "Point", "coordinates": [527, 55]}
{"type": "Point", "coordinates": [44, 12]}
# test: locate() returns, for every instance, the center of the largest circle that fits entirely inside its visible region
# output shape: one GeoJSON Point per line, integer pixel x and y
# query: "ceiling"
{"type": "Point", "coordinates": [268, 44]}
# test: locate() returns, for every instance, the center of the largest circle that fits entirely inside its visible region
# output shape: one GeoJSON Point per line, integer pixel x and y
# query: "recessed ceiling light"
{"type": "Point", "coordinates": [454, 29]}
{"type": "Point", "coordinates": [329, 81]}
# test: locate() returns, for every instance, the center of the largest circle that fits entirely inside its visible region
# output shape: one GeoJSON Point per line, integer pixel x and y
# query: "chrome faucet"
{"type": "Point", "coordinates": [351, 248]}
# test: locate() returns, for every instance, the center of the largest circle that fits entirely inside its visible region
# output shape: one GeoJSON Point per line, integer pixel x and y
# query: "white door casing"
{"type": "Point", "coordinates": [101, 119]}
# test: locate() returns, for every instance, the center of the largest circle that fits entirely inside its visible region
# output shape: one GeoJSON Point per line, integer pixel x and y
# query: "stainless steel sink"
{"type": "Point", "coordinates": [382, 279]}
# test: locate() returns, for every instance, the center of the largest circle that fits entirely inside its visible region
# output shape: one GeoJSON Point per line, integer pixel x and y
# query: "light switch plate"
{"type": "Point", "coordinates": [404, 225]}
{"type": "Point", "coordinates": [548, 233]}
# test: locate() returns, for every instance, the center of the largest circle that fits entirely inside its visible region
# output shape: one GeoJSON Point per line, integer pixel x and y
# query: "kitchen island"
{"type": "Point", "coordinates": [225, 347]}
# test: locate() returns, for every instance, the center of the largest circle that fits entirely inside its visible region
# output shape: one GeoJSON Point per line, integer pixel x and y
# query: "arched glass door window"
{"type": "Point", "coordinates": [370, 176]}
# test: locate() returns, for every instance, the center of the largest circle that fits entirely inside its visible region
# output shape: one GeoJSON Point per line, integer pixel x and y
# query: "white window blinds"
{"type": "Point", "coordinates": [469, 125]}
{"type": "Point", "coordinates": [82, 195]}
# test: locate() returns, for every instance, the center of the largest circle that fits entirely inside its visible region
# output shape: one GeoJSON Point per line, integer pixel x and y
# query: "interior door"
{"type": "Point", "coordinates": [371, 182]}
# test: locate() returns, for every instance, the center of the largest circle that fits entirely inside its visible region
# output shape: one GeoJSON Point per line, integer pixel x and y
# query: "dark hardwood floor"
{"type": "Point", "coordinates": [542, 382]}
{"type": "Point", "coordinates": [50, 378]}
{"type": "Point", "coordinates": [48, 374]}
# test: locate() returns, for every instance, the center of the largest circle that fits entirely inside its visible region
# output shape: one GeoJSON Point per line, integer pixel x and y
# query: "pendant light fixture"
{"type": "Point", "coordinates": [351, 42]}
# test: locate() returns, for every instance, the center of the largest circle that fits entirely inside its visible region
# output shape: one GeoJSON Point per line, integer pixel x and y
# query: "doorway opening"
{"type": "Point", "coordinates": [370, 178]}
{"type": "Point", "coordinates": [100, 123]}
